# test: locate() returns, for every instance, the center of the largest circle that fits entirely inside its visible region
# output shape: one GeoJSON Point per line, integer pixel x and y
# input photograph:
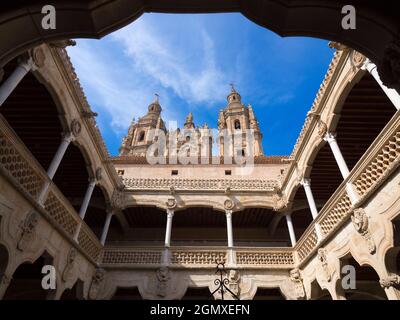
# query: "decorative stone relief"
{"type": "Point", "coordinates": [280, 201]}
{"type": "Point", "coordinates": [97, 281]}
{"type": "Point", "coordinates": [293, 286]}
{"type": "Point", "coordinates": [63, 43]}
{"type": "Point", "coordinates": [391, 281]}
{"type": "Point", "coordinates": [98, 174]}
{"type": "Point", "coordinates": [322, 129]}
{"type": "Point", "coordinates": [28, 227]}
{"type": "Point", "coordinates": [229, 204]}
{"type": "Point", "coordinates": [171, 203]}
{"type": "Point", "coordinates": [360, 223]}
{"type": "Point", "coordinates": [234, 281]}
{"type": "Point", "coordinates": [117, 199]}
{"type": "Point", "coordinates": [68, 272]}
{"type": "Point", "coordinates": [162, 276]}
{"type": "Point", "coordinates": [357, 59]}
{"type": "Point", "coordinates": [321, 256]}
{"type": "Point", "coordinates": [76, 127]}
{"type": "Point", "coordinates": [389, 68]}
{"type": "Point", "coordinates": [38, 57]}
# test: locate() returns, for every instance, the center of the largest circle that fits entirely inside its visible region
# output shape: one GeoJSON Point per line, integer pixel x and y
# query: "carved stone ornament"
{"type": "Point", "coordinates": [68, 272]}
{"type": "Point", "coordinates": [360, 222]}
{"type": "Point", "coordinates": [171, 203]}
{"type": "Point", "coordinates": [337, 45]}
{"type": "Point", "coordinates": [389, 68]}
{"type": "Point", "coordinates": [98, 174]}
{"type": "Point", "coordinates": [321, 256]}
{"type": "Point", "coordinates": [357, 59]}
{"type": "Point", "coordinates": [229, 204]}
{"type": "Point", "coordinates": [38, 57]}
{"type": "Point", "coordinates": [234, 281]}
{"type": "Point", "coordinates": [97, 280]}
{"type": "Point", "coordinates": [76, 127]}
{"type": "Point", "coordinates": [293, 287]}
{"type": "Point", "coordinates": [162, 276]}
{"type": "Point", "coordinates": [280, 201]}
{"type": "Point", "coordinates": [27, 227]}
{"type": "Point", "coordinates": [63, 43]}
{"type": "Point", "coordinates": [117, 199]}
{"type": "Point", "coordinates": [391, 281]}
{"type": "Point", "coordinates": [322, 129]}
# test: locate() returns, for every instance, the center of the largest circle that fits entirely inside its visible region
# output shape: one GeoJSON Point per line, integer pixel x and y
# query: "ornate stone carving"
{"type": "Point", "coordinates": [68, 272]}
{"type": "Point", "coordinates": [229, 204]}
{"type": "Point", "coordinates": [117, 199]}
{"type": "Point", "coordinates": [38, 57]}
{"type": "Point", "coordinates": [322, 129]}
{"type": "Point", "coordinates": [63, 43]}
{"type": "Point", "coordinates": [391, 281]}
{"type": "Point", "coordinates": [360, 223]}
{"type": "Point", "coordinates": [163, 276]}
{"type": "Point", "coordinates": [98, 174]}
{"type": "Point", "coordinates": [234, 281]}
{"type": "Point", "coordinates": [389, 68]}
{"type": "Point", "coordinates": [171, 203]}
{"type": "Point", "coordinates": [76, 127]}
{"type": "Point", "coordinates": [293, 286]}
{"type": "Point", "coordinates": [324, 264]}
{"type": "Point", "coordinates": [337, 45]}
{"type": "Point", "coordinates": [97, 281]}
{"type": "Point", "coordinates": [357, 59]}
{"type": "Point", "coordinates": [280, 201]}
{"type": "Point", "coordinates": [28, 227]}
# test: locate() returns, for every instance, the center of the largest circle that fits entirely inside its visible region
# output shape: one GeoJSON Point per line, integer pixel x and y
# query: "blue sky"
{"type": "Point", "coordinates": [190, 60]}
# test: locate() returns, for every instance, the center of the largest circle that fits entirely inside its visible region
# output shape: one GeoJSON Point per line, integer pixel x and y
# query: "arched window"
{"type": "Point", "coordinates": [237, 124]}
{"type": "Point", "coordinates": [141, 136]}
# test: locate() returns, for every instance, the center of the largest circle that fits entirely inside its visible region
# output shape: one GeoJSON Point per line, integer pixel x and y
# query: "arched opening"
{"type": "Point", "coordinates": [367, 286]}
{"type": "Point", "coordinates": [198, 293]}
{"type": "Point", "coordinates": [96, 212]}
{"type": "Point", "coordinates": [317, 293]}
{"type": "Point", "coordinates": [32, 113]}
{"type": "Point", "coordinates": [26, 283]}
{"type": "Point", "coordinates": [237, 124]}
{"type": "Point", "coordinates": [268, 294]}
{"type": "Point", "coordinates": [127, 294]}
{"type": "Point", "coordinates": [141, 136]}
{"type": "Point", "coordinates": [74, 293]}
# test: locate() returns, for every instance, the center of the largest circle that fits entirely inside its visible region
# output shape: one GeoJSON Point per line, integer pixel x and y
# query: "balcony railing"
{"type": "Point", "coordinates": [26, 174]}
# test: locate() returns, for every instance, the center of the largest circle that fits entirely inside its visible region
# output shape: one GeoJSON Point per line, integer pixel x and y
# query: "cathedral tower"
{"type": "Point", "coordinates": [236, 119]}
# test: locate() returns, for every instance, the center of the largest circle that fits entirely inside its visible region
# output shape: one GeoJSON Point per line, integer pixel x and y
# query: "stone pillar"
{"type": "Point", "coordinates": [306, 183]}
{"type": "Point", "coordinates": [344, 170]}
{"type": "Point", "coordinates": [106, 227]}
{"type": "Point", "coordinates": [392, 94]}
{"type": "Point", "coordinates": [170, 215]}
{"type": "Point", "coordinates": [12, 81]}
{"type": "Point", "coordinates": [291, 230]}
{"type": "Point", "coordinates": [86, 199]}
{"type": "Point", "coordinates": [228, 214]}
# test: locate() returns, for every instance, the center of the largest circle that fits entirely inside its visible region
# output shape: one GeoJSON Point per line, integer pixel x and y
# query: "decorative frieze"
{"type": "Point", "coordinates": [197, 257]}
{"type": "Point", "coordinates": [131, 256]}
{"type": "Point", "coordinates": [200, 184]}
{"type": "Point", "coordinates": [265, 258]}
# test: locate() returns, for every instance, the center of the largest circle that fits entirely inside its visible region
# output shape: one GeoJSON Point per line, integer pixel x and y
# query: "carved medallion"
{"type": "Point", "coordinates": [229, 204]}
{"type": "Point", "coordinates": [360, 222]}
{"type": "Point", "coordinates": [322, 129]}
{"type": "Point", "coordinates": [38, 57]}
{"type": "Point", "coordinates": [357, 59]}
{"type": "Point", "coordinates": [171, 203]}
{"type": "Point", "coordinates": [162, 276]}
{"type": "Point", "coordinates": [76, 127]}
{"type": "Point", "coordinates": [68, 272]}
{"type": "Point", "coordinates": [97, 280]}
{"type": "Point", "coordinates": [27, 227]}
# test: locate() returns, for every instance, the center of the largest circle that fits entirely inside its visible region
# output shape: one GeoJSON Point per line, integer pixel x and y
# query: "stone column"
{"type": "Point", "coordinates": [344, 170]}
{"type": "Point", "coordinates": [106, 227]}
{"type": "Point", "coordinates": [86, 199]}
{"type": "Point", "coordinates": [306, 183]}
{"type": "Point", "coordinates": [392, 94]}
{"type": "Point", "coordinates": [170, 215]}
{"type": "Point", "coordinates": [228, 214]}
{"type": "Point", "coordinates": [12, 81]}
{"type": "Point", "coordinates": [291, 229]}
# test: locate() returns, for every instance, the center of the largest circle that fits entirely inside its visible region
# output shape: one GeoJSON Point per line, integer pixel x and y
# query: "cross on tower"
{"type": "Point", "coordinates": [157, 96]}
{"type": "Point", "coordinates": [232, 87]}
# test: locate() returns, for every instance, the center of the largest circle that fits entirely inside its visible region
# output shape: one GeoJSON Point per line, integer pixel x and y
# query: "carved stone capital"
{"type": "Point", "coordinates": [322, 129]}
{"type": "Point", "coordinates": [38, 57]}
{"type": "Point", "coordinates": [357, 59]}
{"type": "Point", "coordinates": [171, 203]}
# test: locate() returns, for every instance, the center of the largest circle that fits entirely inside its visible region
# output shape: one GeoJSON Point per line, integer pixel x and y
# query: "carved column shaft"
{"type": "Point", "coordinates": [291, 229]}
{"type": "Point", "coordinates": [228, 214]}
{"type": "Point", "coordinates": [168, 229]}
{"type": "Point", "coordinates": [106, 227]}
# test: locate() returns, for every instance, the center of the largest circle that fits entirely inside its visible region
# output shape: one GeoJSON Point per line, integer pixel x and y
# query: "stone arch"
{"type": "Point", "coordinates": [126, 293]}
{"type": "Point", "coordinates": [197, 293]}
{"type": "Point", "coordinates": [317, 293]}
{"type": "Point", "coordinates": [269, 293]}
